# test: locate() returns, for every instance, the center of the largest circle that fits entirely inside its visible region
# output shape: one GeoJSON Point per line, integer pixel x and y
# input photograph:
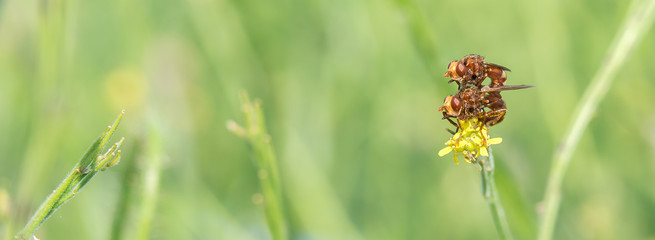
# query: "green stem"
{"type": "Point", "coordinates": [125, 197]}
{"type": "Point", "coordinates": [150, 181]}
{"type": "Point", "coordinates": [255, 132]}
{"type": "Point", "coordinates": [638, 22]}
{"type": "Point", "coordinates": [423, 36]}
{"type": "Point", "coordinates": [92, 162]}
{"type": "Point", "coordinates": [490, 193]}
{"type": "Point", "coordinates": [48, 206]}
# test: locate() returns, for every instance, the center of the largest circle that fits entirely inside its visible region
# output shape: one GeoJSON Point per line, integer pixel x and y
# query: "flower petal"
{"type": "Point", "coordinates": [494, 141]}
{"type": "Point", "coordinates": [483, 152]}
{"type": "Point", "coordinates": [445, 151]}
{"type": "Point", "coordinates": [471, 141]}
{"type": "Point", "coordinates": [457, 134]}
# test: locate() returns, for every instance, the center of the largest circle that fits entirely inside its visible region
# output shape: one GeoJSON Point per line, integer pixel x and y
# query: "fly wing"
{"type": "Point", "coordinates": [498, 66]}
{"type": "Point", "coordinates": [504, 88]}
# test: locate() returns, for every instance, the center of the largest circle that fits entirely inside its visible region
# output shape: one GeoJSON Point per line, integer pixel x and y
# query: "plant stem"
{"type": "Point", "coordinates": [126, 196]}
{"type": "Point", "coordinates": [423, 36]}
{"type": "Point", "coordinates": [150, 182]}
{"type": "Point", "coordinates": [255, 132]}
{"type": "Point", "coordinates": [92, 162]}
{"type": "Point", "coordinates": [490, 193]}
{"type": "Point", "coordinates": [638, 22]}
{"type": "Point", "coordinates": [47, 207]}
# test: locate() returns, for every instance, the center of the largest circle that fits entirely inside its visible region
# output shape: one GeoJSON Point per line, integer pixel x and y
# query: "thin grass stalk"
{"type": "Point", "coordinates": [423, 36]}
{"type": "Point", "coordinates": [490, 193]}
{"type": "Point", "coordinates": [125, 197]}
{"type": "Point", "coordinates": [92, 162]}
{"type": "Point", "coordinates": [150, 182]}
{"type": "Point", "coordinates": [638, 22]}
{"type": "Point", "coordinates": [271, 197]}
{"type": "Point", "coordinates": [47, 126]}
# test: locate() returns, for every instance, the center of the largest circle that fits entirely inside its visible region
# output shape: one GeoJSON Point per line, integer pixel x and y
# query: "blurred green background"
{"type": "Point", "coordinates": [349, 90]}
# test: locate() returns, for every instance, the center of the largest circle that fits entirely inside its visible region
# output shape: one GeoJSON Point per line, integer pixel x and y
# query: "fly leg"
{"type": "Point", "coordinates": [447, 117]}
{"type": "Point", "coordinates": [494, 117]}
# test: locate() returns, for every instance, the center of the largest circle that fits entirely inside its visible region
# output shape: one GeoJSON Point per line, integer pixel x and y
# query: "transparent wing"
{"type": "Point", "coordinates": [496, 65]}
{"type": "Point", "coordinates": [504, 88]}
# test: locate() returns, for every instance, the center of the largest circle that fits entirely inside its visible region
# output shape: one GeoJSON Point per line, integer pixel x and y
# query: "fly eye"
{"type": "Point", "coordinates": [455, 103]}
{"type": "Point", "coordinates": [461, 69]}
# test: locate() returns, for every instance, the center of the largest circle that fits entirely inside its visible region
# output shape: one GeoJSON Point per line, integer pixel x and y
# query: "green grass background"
{"type": "Point", "coordinates": [349, 90]}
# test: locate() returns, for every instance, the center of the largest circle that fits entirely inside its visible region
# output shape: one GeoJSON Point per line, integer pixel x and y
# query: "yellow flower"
{"type": "Point", "coordinates": [471, 141]}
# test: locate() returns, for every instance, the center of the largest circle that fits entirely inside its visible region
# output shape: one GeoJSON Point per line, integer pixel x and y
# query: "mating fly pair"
{"type": "Point", "coordinates": [473, 99]}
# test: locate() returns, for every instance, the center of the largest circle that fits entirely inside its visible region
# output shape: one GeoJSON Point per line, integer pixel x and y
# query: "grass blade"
{"type": "Point", "coordinates": [490, 193]}
{"type": "Point", "coordinates": [638, 22]}
{"type": "Point", "coordinates": [91, 162]}
{"type": "Point", "coordinates": [255, 132]}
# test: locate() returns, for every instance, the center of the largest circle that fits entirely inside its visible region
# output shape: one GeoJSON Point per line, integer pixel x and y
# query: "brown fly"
{"type": "Point", "coordinates": [472, 70]}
